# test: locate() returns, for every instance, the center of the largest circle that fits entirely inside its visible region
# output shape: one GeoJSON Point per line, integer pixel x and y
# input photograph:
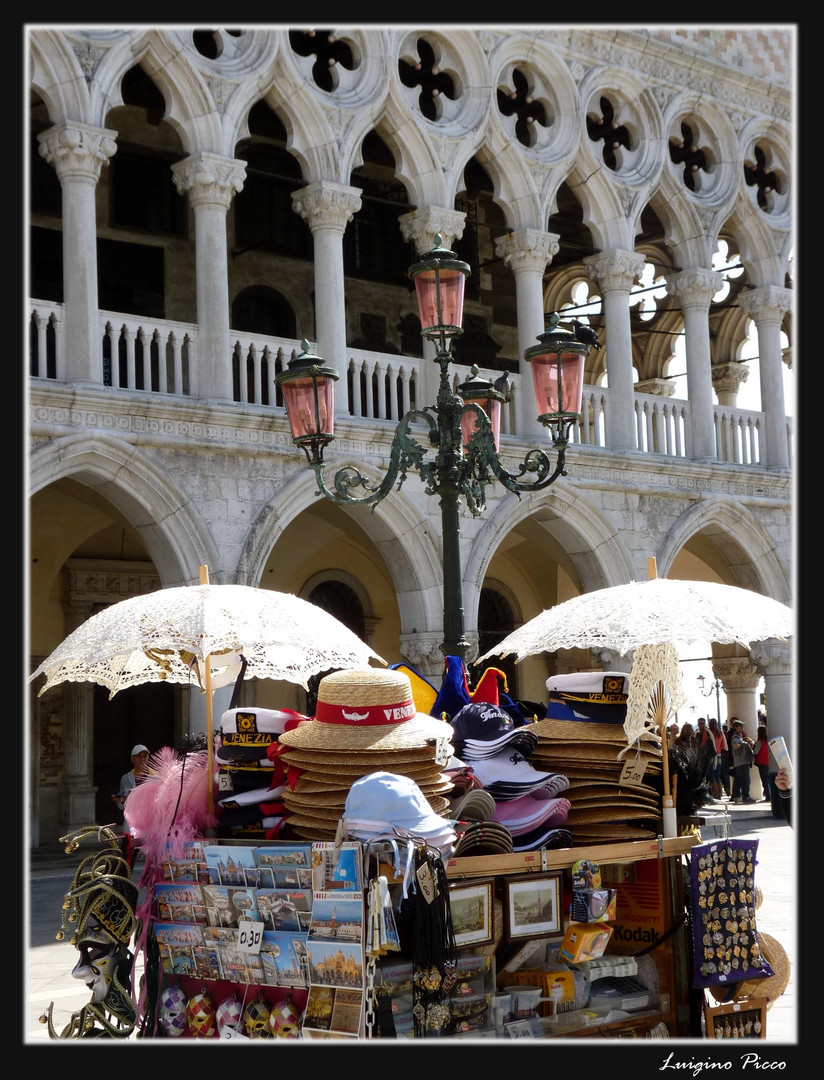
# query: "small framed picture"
{"type": "Point", "coordinates": [472, 912]}
{"type": "Point", "coordinates": [532, 906]}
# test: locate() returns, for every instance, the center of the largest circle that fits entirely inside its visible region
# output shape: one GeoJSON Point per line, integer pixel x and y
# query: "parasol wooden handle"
{"type": "Point", "coordinates": [207, 685]}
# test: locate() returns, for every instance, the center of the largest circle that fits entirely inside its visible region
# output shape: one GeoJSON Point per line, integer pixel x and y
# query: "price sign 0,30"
{"type": "Point", "coordinates": [250, 935]}
{"type": "Point", "coordinates": [633, 771]}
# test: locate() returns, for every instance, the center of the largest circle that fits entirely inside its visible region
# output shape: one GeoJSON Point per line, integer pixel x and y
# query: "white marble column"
{"type": "Point", "coordinates": [78, 152]}
{"type": "Point", "coordinates": [694, 290]}
{"type": "Point", "coordinates": [614, 273]}
{"type": "Point", "coordinates": [77, 793]}
{"type": "Point", "coordinates": [526, 252]}
{"type": "Point", "coordinates": [774, 660]}
{"type": "Point", "coordinates": [740, 680]}
{"type": "Point", "coordinates": [420, 227]}
{"type": "Point", "coordinates": [211, 181]}
{"type": "Point", "coordinates": [327, 208]}
{"type": "Point", "coordinates": [768, 306]}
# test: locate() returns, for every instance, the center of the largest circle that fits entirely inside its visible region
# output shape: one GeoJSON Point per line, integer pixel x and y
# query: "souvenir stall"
{"type": "Point", "coordinates": [411, 861]}
{"type": "Point", "coordinates": [381, 871]}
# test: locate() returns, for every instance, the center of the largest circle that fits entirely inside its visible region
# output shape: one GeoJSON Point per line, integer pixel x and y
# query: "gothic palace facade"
{"type": "Point", "coordinates": [201, 201]}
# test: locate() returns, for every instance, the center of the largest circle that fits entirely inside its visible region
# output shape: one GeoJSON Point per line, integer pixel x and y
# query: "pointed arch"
{"type": "Point", "coordinates": [748, 549]}
{"type": "Point", "coordinates": [172, 530]}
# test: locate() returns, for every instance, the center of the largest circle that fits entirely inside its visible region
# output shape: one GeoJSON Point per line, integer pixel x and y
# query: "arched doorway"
{"type": "Point", "coordinates": [343, 602]}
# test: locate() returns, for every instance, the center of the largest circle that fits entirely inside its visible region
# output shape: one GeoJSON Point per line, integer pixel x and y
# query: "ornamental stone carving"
{"type": "Point", "coordinates": [326, 205]}
{"type": "Point", "coordinates": [659, 387]}
{"type": "Point", "coordinates": [614, 270]}
{"type": "Point", "coordinates": [769, 303]}
{"type": "Point", "coordinates": [527, 249]}
{"type": "Point", "coordinates": [77, 151]}
{"type": "Point", "coordinates": [694, 288]}
{"type": "Point", "coordinates": [727, 378]}
{"type": "Point", "coordinates": [209, 179]}
{"type": "Point", "coordinates": [88, 57]}
{"type": "Point", "coordinates": [773, 657]}
{"type": "Point", "coordinates": [736, 673]}
{"type": "Point", "coordinates": [423, 652]}
{"type": "Point", "coordinates": [421, 226]}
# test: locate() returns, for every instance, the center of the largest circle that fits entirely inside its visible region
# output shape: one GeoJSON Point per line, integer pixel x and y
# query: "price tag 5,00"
{"type": "Point", "coordinates": [633, 772]}
{"type": "Point", "coordinates": [250, 935]}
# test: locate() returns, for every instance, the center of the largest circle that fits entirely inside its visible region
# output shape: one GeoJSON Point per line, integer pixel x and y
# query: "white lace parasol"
{"type": "Point", "coordinates": [651, 612]}
{"type": "Point", "coordinates": [168, 634]}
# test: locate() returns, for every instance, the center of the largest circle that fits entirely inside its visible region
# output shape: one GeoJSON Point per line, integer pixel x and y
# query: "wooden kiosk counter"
{"type": "Point", "coordinates": [647, 876]}
{"type": "Point", "coordinates": [285, 945]}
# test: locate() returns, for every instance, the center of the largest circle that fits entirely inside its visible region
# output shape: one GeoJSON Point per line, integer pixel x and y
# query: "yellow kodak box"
{"type": "Point", "coordinates": [584, 941]}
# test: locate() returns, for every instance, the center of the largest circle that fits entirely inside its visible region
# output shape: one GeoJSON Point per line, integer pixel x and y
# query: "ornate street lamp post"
{"type": "Point", "coordinates": [463, 430]}
{"type": "Point", "coordinates": [714, 686]}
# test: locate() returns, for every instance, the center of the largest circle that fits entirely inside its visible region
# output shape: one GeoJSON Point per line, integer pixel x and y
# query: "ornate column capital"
{"type": "Point", "coordinates": [614, 270]}
{"type": "Point", "coordinates": [736, 673]}
{"type": "Point", "coordinates": [323, 204]}
{"type": "Point", "coordinates": [420, 227]}
{"type": "Point", "coordinates": [527, 249]}
{"type": "Point", "coordinates": [209, 179]}
{"type": "Point", "coordinates": [423, 652]}
{"type": "Point", "coordinates": [769, 303]}
{"type": "Point", "coordinates": [727, 378]}
{"type": "Point", "coordinates": [610, 660]}
{"type": "Point", "coordinates": [773, 656]}
{"type": "Point", "coordinates": [77, 151]}
{"type": "Point", "coordinates": [694, 288]}
{"type": "Point", "coordinates": [659, 387]}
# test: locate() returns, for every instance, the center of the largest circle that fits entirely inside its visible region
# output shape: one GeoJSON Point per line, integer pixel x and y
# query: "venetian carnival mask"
{"type": "Point", "coordinates": [172, 1011]}
{"type": "Point", "coordinates": [256, 1018]}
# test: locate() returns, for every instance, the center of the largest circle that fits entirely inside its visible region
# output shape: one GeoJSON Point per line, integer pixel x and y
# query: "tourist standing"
{"type": "Point", "coordinates": [761, 750]}
{"type": "Point", "coordinates": [742, 759]}
{"type": "Point", "coordinates": [721, 748]}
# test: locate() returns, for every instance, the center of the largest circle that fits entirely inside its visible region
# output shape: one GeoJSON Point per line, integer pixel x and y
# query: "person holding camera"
{"type": "Point", "coordinates": [741, 746]}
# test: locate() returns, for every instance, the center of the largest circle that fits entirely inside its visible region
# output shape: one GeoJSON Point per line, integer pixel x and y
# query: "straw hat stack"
{"type": "Point", "coordinates": [366, 721]}
{"type": "Point", "coordinates": [602, 810]}
{"type": "Point", "coordinates": [582, 737]}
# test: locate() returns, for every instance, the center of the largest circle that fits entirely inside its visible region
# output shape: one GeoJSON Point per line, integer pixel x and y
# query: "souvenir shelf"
{"type": "Point", "coordinates": [623, 864]}
{"type": "Point", "coordinates": [647, 861]}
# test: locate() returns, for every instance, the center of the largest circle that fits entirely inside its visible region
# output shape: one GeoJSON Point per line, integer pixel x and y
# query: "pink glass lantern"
{"type": "Point", "coordinates": [308, 390]}
{"type": "Point", "coordinates": [439, 279]}
{"type": "Point", "coordinates": [558, 378]}
{"type": "Point", "coordinates": [478, 391]}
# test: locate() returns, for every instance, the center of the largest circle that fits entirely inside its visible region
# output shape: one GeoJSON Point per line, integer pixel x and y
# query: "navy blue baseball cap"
{"type": "Point", "coordinates": [481, 729]}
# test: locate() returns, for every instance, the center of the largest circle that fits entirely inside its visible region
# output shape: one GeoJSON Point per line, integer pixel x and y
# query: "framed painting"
{"type": "Point", "coordinates": [472, 910]}
{"type": "Point", "coordinates": [532, 906]}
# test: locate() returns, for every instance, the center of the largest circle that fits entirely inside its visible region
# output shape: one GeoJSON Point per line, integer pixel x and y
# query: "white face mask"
{"type": "Point", "coordinates": [96, 967]}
